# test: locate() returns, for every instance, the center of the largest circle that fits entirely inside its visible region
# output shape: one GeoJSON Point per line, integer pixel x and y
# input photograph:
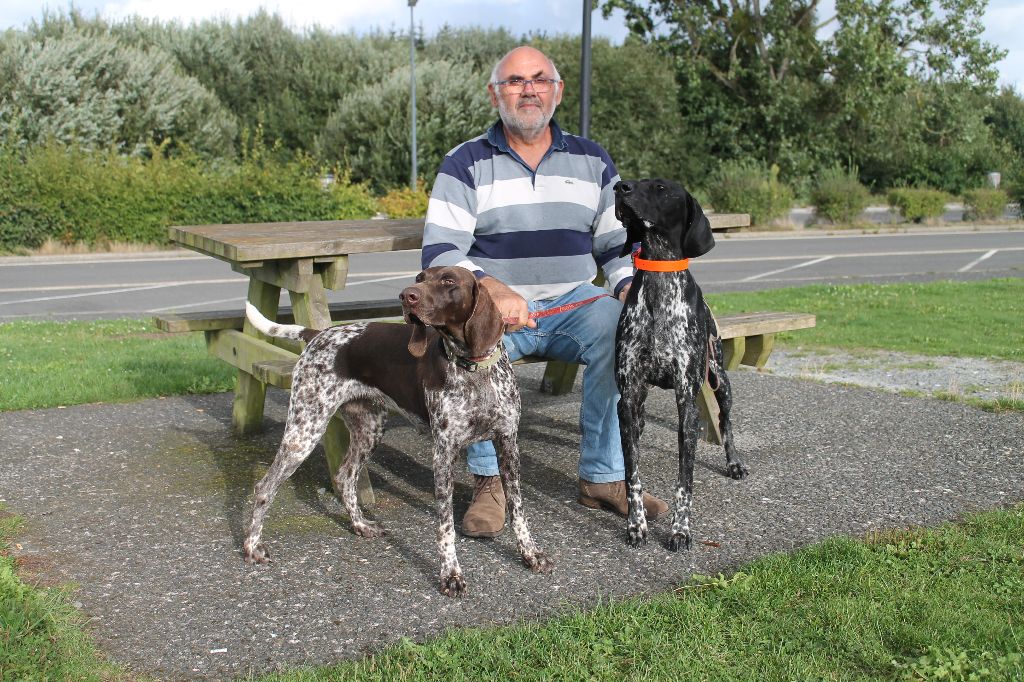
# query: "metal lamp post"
{"type": "Point", "coordinates": [585, 72]}
{"type": "Point", "coordinates": [412, 91]}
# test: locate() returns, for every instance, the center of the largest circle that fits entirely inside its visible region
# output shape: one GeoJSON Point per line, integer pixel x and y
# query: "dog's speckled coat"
{"type": "Point", "coordinates": [361, 371]}
{"type": "Point", "coordinates": [664, 339]}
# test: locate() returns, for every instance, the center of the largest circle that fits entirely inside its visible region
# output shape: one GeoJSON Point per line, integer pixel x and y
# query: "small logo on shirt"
{"type": "Point", "coordinates": [569, 181]}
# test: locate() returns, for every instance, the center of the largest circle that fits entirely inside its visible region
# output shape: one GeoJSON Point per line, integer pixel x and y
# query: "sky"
{"type": "Point", "coordinates": [1002, 18]}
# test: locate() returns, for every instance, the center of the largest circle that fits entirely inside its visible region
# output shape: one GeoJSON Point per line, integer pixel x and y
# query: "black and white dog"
{"type": "Point", "coordinates": [667, 338]}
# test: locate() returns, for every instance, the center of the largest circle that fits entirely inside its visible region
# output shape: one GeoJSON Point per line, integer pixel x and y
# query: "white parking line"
{"type": "Point", "coordinates": [80, 287]}
{"type": "Point", "coordinates": [88, 293]}
{"type": "Point", "coordinates": [978, 260]}
{"type": "Point", "coordinates": [791, 267]}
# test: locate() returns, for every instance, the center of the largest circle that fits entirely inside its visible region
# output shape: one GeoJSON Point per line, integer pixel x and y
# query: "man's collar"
{"type": "Point", "coordinates": [496, 136]}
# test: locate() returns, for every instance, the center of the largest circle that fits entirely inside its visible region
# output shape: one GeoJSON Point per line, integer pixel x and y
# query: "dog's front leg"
{"type": "Point", "coordinates": [631, 427]}
{"type": "Point", "coordinates": [508, 462]}
{"type": "Point", "coordinates": [687, 408]}
{"type": "Point", "coordinates": [452, 582]}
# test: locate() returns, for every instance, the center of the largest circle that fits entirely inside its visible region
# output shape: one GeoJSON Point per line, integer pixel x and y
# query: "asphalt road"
{"type": "Point", "coordinates": [141, 285]}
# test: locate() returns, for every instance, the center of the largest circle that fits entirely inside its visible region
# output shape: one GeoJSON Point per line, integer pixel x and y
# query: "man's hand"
{"type": "Point", "coordinates": [624, 292]}
{"type": "Point", "coordinates": [511, 306]}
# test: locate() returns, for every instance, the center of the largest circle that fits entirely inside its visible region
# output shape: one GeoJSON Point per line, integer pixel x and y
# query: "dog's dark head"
{"type": "Point", "coordinates": [450, 299]}
{"type": "Point", "coordinates": [664, 217]}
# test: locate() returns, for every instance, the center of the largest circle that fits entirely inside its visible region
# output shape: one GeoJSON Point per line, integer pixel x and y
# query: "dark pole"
{"type": "Point", "coordinates": [585, 72]}
{"type": "Point", "coordinates": [412, 91]}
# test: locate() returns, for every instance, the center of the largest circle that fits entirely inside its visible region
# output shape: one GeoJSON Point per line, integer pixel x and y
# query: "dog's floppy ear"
{"type": "Point", "coordinates": [418, 341]}
{"type": "Point", "coordinates": [484, 328]}
{"type": "Point", "coordinates": [697, 236]}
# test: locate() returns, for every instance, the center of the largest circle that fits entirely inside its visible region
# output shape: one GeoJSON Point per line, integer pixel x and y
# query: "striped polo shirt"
{"type": "Point", "coordinates": [541, 232]}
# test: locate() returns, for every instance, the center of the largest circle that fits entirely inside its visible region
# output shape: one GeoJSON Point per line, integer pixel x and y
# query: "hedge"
{"type": "Point", "coordinates": [77, 196]}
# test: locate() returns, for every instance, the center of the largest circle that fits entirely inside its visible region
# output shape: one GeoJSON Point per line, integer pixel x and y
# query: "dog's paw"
{"type": "Point", "coordinates": [453, 585]}
{"type": "Point", "coordinates": [738, 470]}
{"type": "Point", "coordinates": [369, 529]}
{"type": "Point", "coordinates": [636, 535]}
{"type": "Point", "coordinates": [679, 541]}
{"type": "Point", "coordinates": [256, 553]}
{"type": "Point", "coordinates": [539, 562]}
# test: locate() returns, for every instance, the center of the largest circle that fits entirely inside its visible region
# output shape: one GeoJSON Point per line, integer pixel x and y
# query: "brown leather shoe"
{"type": "Point", "coordinates": [485, 517]}
{"type": "Point", "coordinates": [613, 496]}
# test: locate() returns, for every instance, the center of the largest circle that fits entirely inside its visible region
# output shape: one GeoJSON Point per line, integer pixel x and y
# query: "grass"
{"type": "Point", "coordinates": [41, 635]}
{"type": "Point", "coordinates": [875, 608]}
{"type": "Point", "coordinates": [48, 364]}
{"type": "Point", "coordinates": [919, 604]}
{"type": "Point", "coordinates": [975, 319]}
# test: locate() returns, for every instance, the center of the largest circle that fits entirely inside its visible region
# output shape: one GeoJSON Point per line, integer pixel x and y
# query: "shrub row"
{"type": "Point", "coordinates": [984, 204]}
{"type": "Point", "coordinates": [918, 204]}
{"type": "Point", "coordinates": [71, 195]}
{"type": "Point", "coordinates": [839, 196]}
{"type": "Point", "coordinates": [750, 187]}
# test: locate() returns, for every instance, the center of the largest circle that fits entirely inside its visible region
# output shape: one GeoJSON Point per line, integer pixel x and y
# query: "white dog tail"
{"type": "Point", "coordinates": [281, 331]}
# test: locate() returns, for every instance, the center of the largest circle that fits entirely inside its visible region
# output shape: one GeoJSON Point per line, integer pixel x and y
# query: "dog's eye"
{"type": "Point", "coordinates": [447, 281]}
{"type": "Point", "coordinates": [660, 188]}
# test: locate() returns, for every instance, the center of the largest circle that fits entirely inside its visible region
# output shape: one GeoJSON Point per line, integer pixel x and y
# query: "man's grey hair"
{"type": "Point", "coordinates": [494, 71]}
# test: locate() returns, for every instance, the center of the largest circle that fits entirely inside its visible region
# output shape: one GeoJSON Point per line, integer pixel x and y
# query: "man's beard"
{"type": "Point", "coordinates": [530, 124]}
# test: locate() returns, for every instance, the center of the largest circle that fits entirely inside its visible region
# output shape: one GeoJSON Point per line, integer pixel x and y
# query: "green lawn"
{"type": "Point", "coordinates": [966, 319]}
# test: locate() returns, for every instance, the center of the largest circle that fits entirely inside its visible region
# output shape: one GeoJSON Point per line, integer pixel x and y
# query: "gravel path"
{"type": "Point", "coordinates": [929, 375]}
{"type": "Point", "coordinates": [142, 507]}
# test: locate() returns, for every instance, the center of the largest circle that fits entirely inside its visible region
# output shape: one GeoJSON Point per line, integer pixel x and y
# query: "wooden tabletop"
{"type": "Point", "coordinates": [258, 242]}
{"type": "Point", "coordinates": [254, 242]}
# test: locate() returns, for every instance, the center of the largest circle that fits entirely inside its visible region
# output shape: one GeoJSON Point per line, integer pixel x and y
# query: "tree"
{"type": "Point", "coordinates": [634, 110]}
{"type": "Point", "coordinates": [762, 79]}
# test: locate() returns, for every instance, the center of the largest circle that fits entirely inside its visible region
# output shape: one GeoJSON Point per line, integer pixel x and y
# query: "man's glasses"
{"type": "Point", "coordinates": [517, 85]}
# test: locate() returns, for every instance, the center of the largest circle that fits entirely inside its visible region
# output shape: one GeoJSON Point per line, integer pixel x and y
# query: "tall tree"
{"type": "Point", "coordinates": [767, 79]}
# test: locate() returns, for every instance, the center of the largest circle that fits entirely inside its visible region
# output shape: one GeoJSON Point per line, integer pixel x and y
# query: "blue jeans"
{"type": "Point", "coordinates": [585, 335]}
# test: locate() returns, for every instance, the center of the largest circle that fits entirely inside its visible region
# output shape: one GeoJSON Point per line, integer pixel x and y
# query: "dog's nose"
{"type": "Point", "coordinates": [409, 296]}
{"type": "Point", "coordinates": [623, 187]}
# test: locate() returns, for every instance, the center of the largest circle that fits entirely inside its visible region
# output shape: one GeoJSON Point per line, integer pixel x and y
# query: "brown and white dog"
{"type": "Point", "coordinates": [446, 368]}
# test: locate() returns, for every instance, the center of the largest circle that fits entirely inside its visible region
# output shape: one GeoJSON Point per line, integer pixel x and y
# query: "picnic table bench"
{"type": "Point", "coordinates": [307, 258]}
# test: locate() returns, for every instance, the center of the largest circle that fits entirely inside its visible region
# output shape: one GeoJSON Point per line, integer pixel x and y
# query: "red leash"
{"type": "Point", "coordinates": [565, 308]}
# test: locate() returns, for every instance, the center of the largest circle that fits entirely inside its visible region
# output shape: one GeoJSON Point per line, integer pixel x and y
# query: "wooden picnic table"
{"type": "Point", "coordinates": [306, 259]}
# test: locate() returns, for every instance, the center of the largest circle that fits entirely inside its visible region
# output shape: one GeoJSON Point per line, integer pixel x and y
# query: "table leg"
{"type": "Point", "coordinates": [311, 310]}
{"type": "Point", "coordinates": [250, 393]}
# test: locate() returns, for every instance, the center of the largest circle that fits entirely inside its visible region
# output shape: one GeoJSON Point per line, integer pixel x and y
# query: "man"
{"type": "Point", "coordinates": [530, 210]}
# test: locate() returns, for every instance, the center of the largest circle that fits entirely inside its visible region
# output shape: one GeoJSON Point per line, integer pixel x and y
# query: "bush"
{"type": "Point", "coordinates": [918, 204]}
{"type": "Point", "coordinates": [405, 202]}
{"type": "Point", "coordinates": [73, 195]}
{"type": "Point", "coordinates": [984, 204]}
{"type": "Point", "coordinates": [369, 130]}
{"type": "Point", "coordinates": [838, 195]}
{"type": "Point", "coordinates": [749, 187]}
{"type": "Point", "coordinates": [1015, 192]}
{"type": "Point", "coordinates": [91, 91]}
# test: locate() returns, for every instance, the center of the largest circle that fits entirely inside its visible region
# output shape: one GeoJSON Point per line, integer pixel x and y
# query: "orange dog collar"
{"type": "Point", "coordinates": [659, 265]}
